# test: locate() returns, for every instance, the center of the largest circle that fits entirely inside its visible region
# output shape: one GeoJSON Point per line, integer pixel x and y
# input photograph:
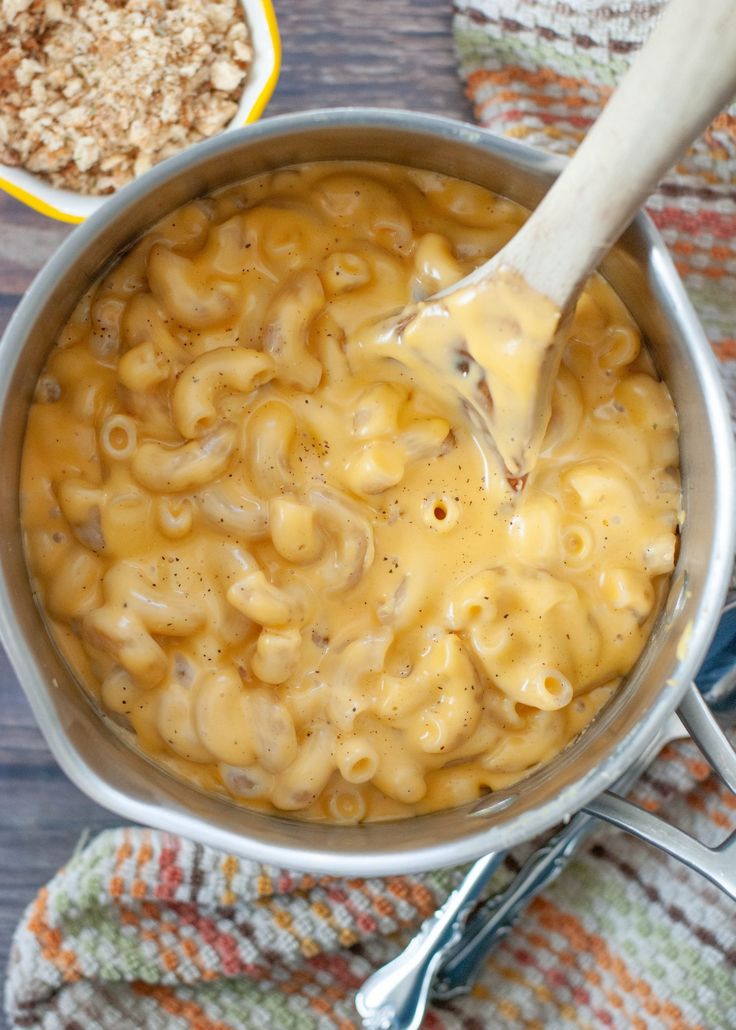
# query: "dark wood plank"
{"type": "Point", "coordinates": [389, 53]}
{"type": "Point", "coordinates": [27, 240]}
{"type": "Point", "coordinates": [392, 53]}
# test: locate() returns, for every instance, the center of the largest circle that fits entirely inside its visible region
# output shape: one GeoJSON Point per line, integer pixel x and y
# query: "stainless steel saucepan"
{"type": "Point", "coordinates": [90, 748]}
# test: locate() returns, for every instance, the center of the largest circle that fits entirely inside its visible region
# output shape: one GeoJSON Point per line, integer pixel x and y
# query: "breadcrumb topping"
{"type": "Point", "coordinates": [95, 92]}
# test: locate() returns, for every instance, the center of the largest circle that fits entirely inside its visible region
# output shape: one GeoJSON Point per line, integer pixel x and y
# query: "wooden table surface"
{"type": "Point", "coordinates": [391, 53]}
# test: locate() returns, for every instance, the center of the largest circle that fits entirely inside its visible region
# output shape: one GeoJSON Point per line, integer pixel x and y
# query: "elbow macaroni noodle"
{"type": "Point", "coordinates": [300, 579]}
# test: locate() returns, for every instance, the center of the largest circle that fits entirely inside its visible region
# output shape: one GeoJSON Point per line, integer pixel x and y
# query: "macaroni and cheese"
{"type": "Point", "coordinates": [300, 578]}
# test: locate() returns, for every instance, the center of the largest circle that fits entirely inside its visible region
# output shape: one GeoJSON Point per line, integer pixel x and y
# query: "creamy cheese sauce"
{"type": "Point", "coordinates": [298, 576]}
{"type": "Point", "coordinates": [490, 341]}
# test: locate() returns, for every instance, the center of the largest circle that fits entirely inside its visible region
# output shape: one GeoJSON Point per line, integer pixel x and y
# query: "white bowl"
{"type": "Point", "coordinates": [71, 206]}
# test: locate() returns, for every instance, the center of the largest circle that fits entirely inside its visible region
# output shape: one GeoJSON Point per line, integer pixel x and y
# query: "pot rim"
{"type": "Point", "coordinates": [527, 823]}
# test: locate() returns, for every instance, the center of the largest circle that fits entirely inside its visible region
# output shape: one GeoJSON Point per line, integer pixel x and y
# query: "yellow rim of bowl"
{"type": "Point", "coordinates": [43, 208]}
{"type": "Point", "coordinates": [270, 84]}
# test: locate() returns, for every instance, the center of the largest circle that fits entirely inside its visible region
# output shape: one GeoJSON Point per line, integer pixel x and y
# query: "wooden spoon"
{"type": "Point", "coordinates": [498, 335]}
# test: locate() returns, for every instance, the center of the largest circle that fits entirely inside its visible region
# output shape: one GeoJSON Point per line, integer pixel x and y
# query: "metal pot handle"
{"type": "Point", "coordinates": [717, 864]}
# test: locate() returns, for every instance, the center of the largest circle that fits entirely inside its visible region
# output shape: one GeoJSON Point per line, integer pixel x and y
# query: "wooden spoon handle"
{"type": "Point", "coordinates": [683, 75]}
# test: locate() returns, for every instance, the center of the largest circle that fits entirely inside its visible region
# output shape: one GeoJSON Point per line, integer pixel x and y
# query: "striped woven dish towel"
{"type": "Point", "coordinates": [541, 70]}
{"type": "Point", "coordinates": [146, 931]}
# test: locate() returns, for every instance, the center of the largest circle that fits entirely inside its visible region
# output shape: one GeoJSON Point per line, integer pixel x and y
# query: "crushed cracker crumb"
{"type": "Point", "coordinates": [95, 92]}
